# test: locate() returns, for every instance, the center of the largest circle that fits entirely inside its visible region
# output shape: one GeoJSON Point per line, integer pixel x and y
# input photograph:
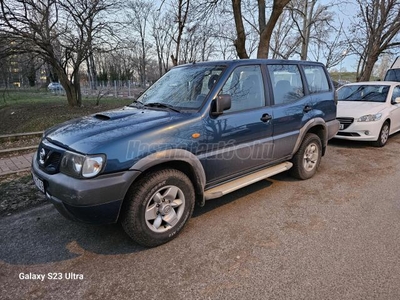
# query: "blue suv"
{"type": "Point", "coordinates": [201, 131]}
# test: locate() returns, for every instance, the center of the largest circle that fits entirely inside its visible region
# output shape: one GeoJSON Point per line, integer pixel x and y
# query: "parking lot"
{"type": "Point", "coordinates": [335, 236]}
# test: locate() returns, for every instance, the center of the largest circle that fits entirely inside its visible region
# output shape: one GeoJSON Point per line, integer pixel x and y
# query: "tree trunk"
{"type": "Point", "coordinates": [92, 72]}
{"type": "Point", "coordinates": [266, 32]}
{"type": "Point", "coordinates": [72, 90]}
{"type": "Point", "coordinates": [182, 17]}
{"type": "Point", "coordinates": [369, 66]}
{"type": "Point", "coordinates": [143, 63]}
{"type": "Point", "coordinates": [77, 85]}
{"type": "Point", "coordinates": [240, 42]}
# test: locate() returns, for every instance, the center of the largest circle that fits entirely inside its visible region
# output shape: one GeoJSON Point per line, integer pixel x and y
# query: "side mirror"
{"type": "Point", "coordinates": [223, 102]}
{"type": "Point", "coordinates": [396, 100]}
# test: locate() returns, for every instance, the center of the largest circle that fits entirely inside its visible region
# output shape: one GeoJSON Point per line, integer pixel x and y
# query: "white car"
{"type": "Point", "coordinates": [369, 111]}
{"type": "Point", "coordinates": [55, 86]}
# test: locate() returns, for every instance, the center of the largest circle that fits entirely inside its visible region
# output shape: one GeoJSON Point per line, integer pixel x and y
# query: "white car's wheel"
{"type": "Point", "coordinates": [383, 135]}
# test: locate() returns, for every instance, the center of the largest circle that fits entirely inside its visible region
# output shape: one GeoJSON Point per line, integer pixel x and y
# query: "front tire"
{"type": "Point", "coordinates": [157, 207]}
{"type": "Point", "coordinates": [307, 158]}
{"type": "Point", "coordinates": [383, 135]}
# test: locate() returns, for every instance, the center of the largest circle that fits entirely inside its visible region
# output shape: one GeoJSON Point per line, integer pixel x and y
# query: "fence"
{"type": "Point", "coordinates": [114, 89]}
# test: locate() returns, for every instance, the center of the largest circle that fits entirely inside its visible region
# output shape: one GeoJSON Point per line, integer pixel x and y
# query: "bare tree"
{"type": "Point", "coordinates": [181, 9]}
{"type": "Point", "coordinates": [138, 15]}
{"type": "Point", "coordinates": [284, 40]}
{"type": "Point", "coordinates": [330, 51]}
{"type": "Point", "coordinates": [162, 29]}
{"type": "Point", "coordinates": [384, 63]}
{"type": "Point", "coordinates": [265, 27]}
{"type": "Point", "coordinates": [61, 32]}
{"type": "Point", "coordinates": [375, 32]}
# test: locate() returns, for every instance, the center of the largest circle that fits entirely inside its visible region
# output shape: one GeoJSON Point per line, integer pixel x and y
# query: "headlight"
{"type": "Point", "coordinates": [369, 118]}
{"type": "Point", "coordinates": [78, 165]}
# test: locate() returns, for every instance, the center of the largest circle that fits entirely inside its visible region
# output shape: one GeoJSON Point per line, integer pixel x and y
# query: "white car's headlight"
{"type": "Point", "coordinates": [79, 165]}
{"type": "Point", "coordinates": [369, 118]}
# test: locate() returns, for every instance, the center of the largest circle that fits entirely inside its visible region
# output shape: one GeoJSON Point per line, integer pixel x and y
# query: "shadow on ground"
{"type": "Point", "coordinates": [41, 235]}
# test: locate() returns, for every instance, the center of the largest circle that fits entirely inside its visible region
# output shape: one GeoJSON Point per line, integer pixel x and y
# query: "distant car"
{"type": "Point", "coordinates": [55, 86]}
{"type": "Point", "coordinates": [369, 111]}
{"type": "Point", "coordinates": [393, 74]}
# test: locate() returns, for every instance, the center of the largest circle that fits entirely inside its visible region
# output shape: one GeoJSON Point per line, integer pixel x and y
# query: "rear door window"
{"type": "Point", "coordinates": [316, 79]}
{"type": "Point", "coordinates": [286, 83]}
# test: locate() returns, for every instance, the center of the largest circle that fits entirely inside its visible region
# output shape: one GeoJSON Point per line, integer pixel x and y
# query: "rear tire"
{"type": "Point", "coordinates": [383, 135]}
{"type": "Point", "coordinates": [307, 158]}
{"type": "Point", "coordinates": [157, 207]}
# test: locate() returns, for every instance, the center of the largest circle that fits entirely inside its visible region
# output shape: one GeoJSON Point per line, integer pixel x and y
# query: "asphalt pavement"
{"type": "Point", "coordinates": [335, 236]}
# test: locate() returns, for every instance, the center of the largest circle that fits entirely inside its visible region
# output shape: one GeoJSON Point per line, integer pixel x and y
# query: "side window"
{"type": "Point", "coordinates": [316, 79]}
{"type": "Point", "coordinates": [396, 93]}
{"type": "Point", "coordinates": [246, 88]}
{"type": "Point", "coordinates": [286, 82]}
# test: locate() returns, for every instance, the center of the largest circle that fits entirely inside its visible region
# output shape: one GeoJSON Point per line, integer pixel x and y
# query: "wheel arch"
{"type": "Point", "coordinates": [178, 159]}
{"type": "Point", "coordinates": [316, 126]}
{"type": "Point", "coordinates": [320, 131]}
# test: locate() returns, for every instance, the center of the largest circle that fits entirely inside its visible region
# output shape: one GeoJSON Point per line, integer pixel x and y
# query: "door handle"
{"type": "Point", "coordinates": [307, 108]}
{"type": "Point", "coordinates": [266, 117]}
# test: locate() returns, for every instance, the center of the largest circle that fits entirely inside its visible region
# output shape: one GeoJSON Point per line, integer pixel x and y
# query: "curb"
{"type": "Point", "coordinates": [18, 149]}
{"type": "Point", "coordinates": [14, 172]}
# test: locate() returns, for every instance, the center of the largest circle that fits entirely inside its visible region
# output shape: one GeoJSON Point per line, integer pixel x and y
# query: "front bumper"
{"type": "Point", "coordinates": [333, 127]}
{"type": "Point", "coordinates": [361, 131]}
{"type": "Point", "coordinates": [96, 200]}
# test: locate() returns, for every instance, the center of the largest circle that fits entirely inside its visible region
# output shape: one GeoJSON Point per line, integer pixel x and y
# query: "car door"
{"type": "Point", "coordinates": [291, 107]}
{"type": "Point", "coordinates": [395, 110]}
{"type": "Point", "coordinates": [240, 139]}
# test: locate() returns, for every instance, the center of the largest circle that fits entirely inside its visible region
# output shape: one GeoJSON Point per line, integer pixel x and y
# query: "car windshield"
{"type": "Point", "coordinates": [182, 88]}
{"type": "Point", "coordinates": [369, 93]}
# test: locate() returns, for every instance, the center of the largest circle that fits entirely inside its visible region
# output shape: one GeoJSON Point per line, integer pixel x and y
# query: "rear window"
{"type": "Point", "coordinates": [393, 75]}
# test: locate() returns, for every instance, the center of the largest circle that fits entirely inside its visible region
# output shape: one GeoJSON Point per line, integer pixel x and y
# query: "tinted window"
{"type": "Point", "coordinates": [396, 93]}
{"type": "Point", "coordinates": [286, 82]}
{"type": "Point", "coordinates": [316, 79]}
{"type": "Point", "coordinates": [246, 88]}
{"type": "Point", "coordinates": [370, 93]}
{"type": "Point", "coordinates": [393, 75]}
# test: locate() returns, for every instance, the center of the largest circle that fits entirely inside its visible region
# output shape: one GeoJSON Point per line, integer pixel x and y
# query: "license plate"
{"type": "Point", "coordinates": [341, 127]}
{"type": "Point", "coordinates": [39, 183]}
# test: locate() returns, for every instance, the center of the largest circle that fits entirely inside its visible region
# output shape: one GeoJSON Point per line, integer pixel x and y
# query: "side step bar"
{"type": "Point", "coordinates": [234, 185]}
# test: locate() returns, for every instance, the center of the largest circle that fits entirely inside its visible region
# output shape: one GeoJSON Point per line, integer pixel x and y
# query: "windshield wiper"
{"type": "Point", "coordinates": [371, 93]}
{"type": "Point", "coordinates": [136, 103]}
{"type": "Point", "coordinates": [353, 93]}
{"type": "Point", "coordinates": [161, 105]}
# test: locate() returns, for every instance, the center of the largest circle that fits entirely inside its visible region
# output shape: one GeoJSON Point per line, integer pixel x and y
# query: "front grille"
{"type": "Point", "coordinates": [49, 160]}
{"type": "Point", "coordinates": [345, 122]}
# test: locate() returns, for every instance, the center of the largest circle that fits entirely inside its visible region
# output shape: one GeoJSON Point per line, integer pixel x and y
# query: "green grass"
{"type": "Point", "coordinates": [33, 110]}
{"type": "Point", "coordinates": [348, 76]}
{"type": "Point", "coordinates": [8, 97]}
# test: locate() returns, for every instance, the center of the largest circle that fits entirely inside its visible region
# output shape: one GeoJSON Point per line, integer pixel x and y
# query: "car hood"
{"type": "Point", "coordinates": [87, 133]}
{"type": "Point", "coordinates": [356, 109]}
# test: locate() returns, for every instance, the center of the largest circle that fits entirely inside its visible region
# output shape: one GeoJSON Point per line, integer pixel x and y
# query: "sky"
{"type": "Point", "coordinates": [345, 11]}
